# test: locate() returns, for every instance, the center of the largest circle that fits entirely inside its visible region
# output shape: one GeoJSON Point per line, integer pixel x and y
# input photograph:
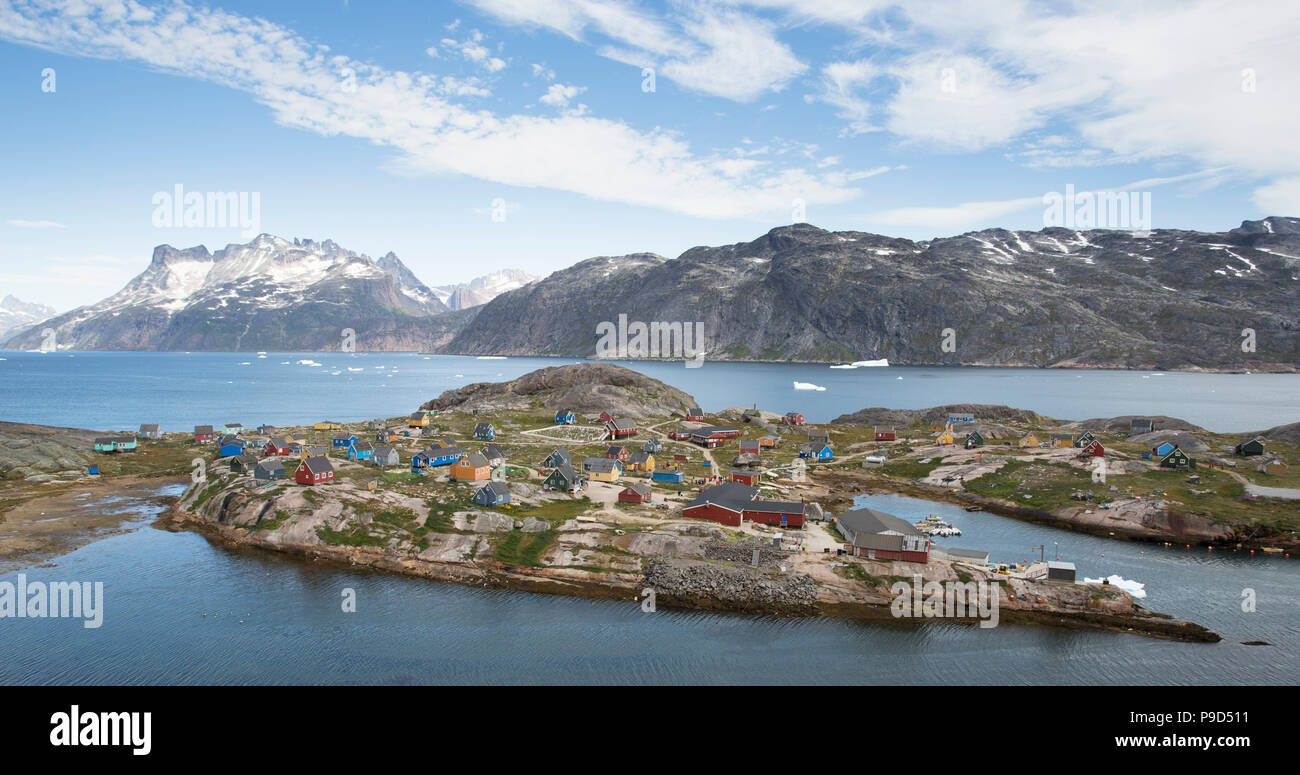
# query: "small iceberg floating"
{"type": "Point", "coordinates": [877, 363]}
{"type": "Point", "coordinates": [352, 369]}
{"type": "Point", "coordinates": [491, 358]}
{"type": "Point", "coordinates": [807, 386]}
{"type": "Point", "coordinates": [308, 362]}
{"type": "Point", "coordinates": [1135, 588]}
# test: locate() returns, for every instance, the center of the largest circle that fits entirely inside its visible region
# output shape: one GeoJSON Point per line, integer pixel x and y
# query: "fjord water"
{"type": "Point", "coordinates": [111, 390]}
{"type": "Point", "coordinates": [271, 619]}
{"type": "Point", "coordinates": [180, 610]}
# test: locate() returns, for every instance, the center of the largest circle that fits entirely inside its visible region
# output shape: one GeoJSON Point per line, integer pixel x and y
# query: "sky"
{"type": "Point", "coordinates": [468, 136]}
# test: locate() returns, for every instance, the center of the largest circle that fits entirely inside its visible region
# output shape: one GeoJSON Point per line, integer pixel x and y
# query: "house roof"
{"type": "Point", "coordinates": [269, 463]}
{"type": "Point", "coordinates": [616, 449]}
{"type": "Point", "coordinates": [279, 441]}
{"type": "Point", "coordinates": [638, 457]}
{"type": "Point", "coordinates": [344, 436]}
{"type": "Point", "coordinates": [317, 464]}
{"type": "Point", "coordinates": [622, 423]}
{"type": "Point", "coordinates": [475, 459]}
{"type": "Point", "coordinates": [417, 415]}
{"type": "Point", "coordinates": [872, 521]}
{"type": "Point", "coordinates": [600, 464]}
{"type": "Point", "coordinates": [565, 471]}
{"type": "Point", "coordinates": [500, 488]}
{"type": "Point", "coordinates": [775, 507]}
{"type": "Point", "coordinates": [148, 427]}
{"type": "Point", "coordinates": [493, 451]}
{"type": "Point", "coordinates": [732, 496]}
{"type": "Point", "coordinates": [384, 451]}
{"type": "Point", "coordinates": [483, 426]}
{"type": "Point", "coordinates": [973, 554]}
{"type": "Point", "coordinates": [696, 411]}
{"type": "Point", "coordinates": [562, 453]}
{"type": "Point", "coordinates": [362, 446]}
{"type": "Point", "coordinates": [640, 489]}
{"type": "Point", "coordinates": [203, 429]}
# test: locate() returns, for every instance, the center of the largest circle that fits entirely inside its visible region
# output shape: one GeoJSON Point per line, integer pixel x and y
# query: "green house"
{"type": "Point", "coordinates": [115, 444]}
{"type": "Point", "coordinates": [974, 439]}
{"type": "Point", "coordinates": [1177, 460]}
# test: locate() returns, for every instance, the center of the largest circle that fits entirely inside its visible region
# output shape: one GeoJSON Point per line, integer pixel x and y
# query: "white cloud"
{"type": "Point", "coordinates": [472, 49]}
{"type": "Point", "coordinates": [559, 94]}
{"type": "Point", "coordinates": [416, 114]}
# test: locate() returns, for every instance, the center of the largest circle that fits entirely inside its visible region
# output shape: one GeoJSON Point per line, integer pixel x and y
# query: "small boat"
{"type": "Point", "coordinates": [1272, 550]}
{"type": "Point", "coordinates": [974, 508]}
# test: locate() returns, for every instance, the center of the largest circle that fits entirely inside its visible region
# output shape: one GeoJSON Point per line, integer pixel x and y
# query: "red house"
{"type": "Point", "coordinates": [203, 434]}
{"type": "Point", "coordinates": [695, 414]}
{"type": "Point", "coordinates": [634, 493]}
{"type": "Point", "coordinates": [680, 434]}
{"type": "Point", "coordinates": [885, 434]}
{"type": "Point", "coordinates": [881, 536]}
{"type": "Point", "coordinates": [314, 470]}
{"type": "Point", "coordinates": [745, 477]}
{"type": "Point", "coordinates": [679, 457]}
{"type": "Point", "coordinates": [618, 453]}
{"type": "Point", "coordinates": [730, 503]}
{"type": "Point", "coordinates": [1093, 449]}
{"type": "Point", "coordinates": [277, 446]}
{"type": "Point", "coordinates": [749, 447]}
{"type": "Point", "coordinates": [619, 428]}
{"type": "Point", "coordinates": [606, 417]}
{"type": "Point", "coordinates": [792, 418]}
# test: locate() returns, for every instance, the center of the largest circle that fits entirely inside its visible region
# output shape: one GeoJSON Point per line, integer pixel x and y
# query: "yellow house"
{"type": "Point", "coordinates": [471, 468]}
{"type": "Point", "coordinates": [1062, 441]}
{"type": "Point", "coordinates": [640, 461]}
{"type": "Point", "coordinates": [603, 469]}
{"type": "Point", "coordinates": [418, 420]}
{"type": "Point", "coordinates": [944, 439]}
{"type": "Point", "coordinates": [326, 425]}
{"type": "Point", "coordinates": [1028, 440]}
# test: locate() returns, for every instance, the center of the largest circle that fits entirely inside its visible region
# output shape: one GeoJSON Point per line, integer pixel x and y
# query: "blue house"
{"type": "Point", "coordinates": [484, 430]}
{"type": "Point", "coordinates": [345, 440]}
{"type": "Point", "coordinates": [436, 456]}
{"type": "Point", "coordinates": [231, 446]}
{"type": "Point", "coordinates": [1162, 449]}
{"type": "Point", "coordinates": [492, 494]}
{"type": "Point", "coordinates": [668, 475]}
{"type": "Point", "coordinates": [565, 416]}
{"type": "Point", "coordinates": [817, 452]}
{"type": "Point", "coordinates": [960, 417]}
{"type": "Point", "coordinates": [360, 450]}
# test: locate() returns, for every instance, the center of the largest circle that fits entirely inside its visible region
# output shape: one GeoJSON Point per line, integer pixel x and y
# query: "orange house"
{"type": "Point", "coordinates": [471, 468]}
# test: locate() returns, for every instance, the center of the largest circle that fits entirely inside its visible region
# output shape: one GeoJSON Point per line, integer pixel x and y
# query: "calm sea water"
{"type": "Point", "coordinates": [179, 390]}
{"type": "Point", "coordinates": [275, 620]}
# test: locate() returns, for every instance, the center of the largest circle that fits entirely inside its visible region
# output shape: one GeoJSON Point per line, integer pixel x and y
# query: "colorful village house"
{"type": "Point", "coordinates": [672, 475]}
{"type": "Point", "coordinates": [327, 425]}
{"type": "Point", "coordinates": [1249, 447]}
{"type": "Point", "coordinates": [1140, 425]}
{"type": "Point", "coordinates": [485, 431]}
{"type": "Point", "coordinates": [418, 420]}
{"type": "Point", "coordinates": [386, 456]}
{"type": "Point", "coordinates": [974, 439]}
{"type": "Point", "coordinates": [344, 440]}
{"type": "Point", "coordinates": [203, 434]}
{"type": "Point", "coordinates": [444, 456]}
{"type": "Point", "coordinates": [564, 479]}
{"type": "Point", "coordinates": [885, 434]}
{"type": "Point", "coordinates": [652, 445]}
{"type": "Point", "coordinates": [231, 445]}
{"type": "Point", "coordinates": [266, 430]}
{"type": "Point", "coordinates": [620, 428]}
{"type": "Point", "coordinates": [277, 447]}
{"type": "Point", "coordinates": [880, 536]}
{"type": "Point", "coordinates": [313, 470]}
{"type": "Point", "coordinates": [1094, 449]}
{"type": "Point", "coordinates": [824, 452]}
{"type": "Point", "coordinates": [792, 418]}
{"type": "Point", "coordinates": [1084, 439]}
{"type": "Point", "coordinates": [471, 468]}
{"type": "Point", "coordinates": [1272, 465]}
{"type": "Point", "coordinates": [679, 434]}
{"type": "Point", "coordinates": [558, 457]}
{"type": "Point", "coordinates": [1060, 440]}
{"type": "Point", "coordinates": [495, 455]}
{"type": "Point", "coordinates": [386, 436]}
{"type": "Point", "coordinates": [492, 494]}
{"type": "Point", "coordinates": [714, 435]}
{"type": "Point", "coordinates": [617, 452]}
{"type": "Point", "coordinates": [565, 417]}
{"type": "Point", "coordinates": [954, 418]}
{"type": "Point", "coordinates": [695, 414]}
{"type": "Point", "coordinates": [769, 441]}
{"type": "Point", "coordinates": [1163, 448]}
{"type": "Point", "coordinates": [370, 483]}
{"type": "Point", "coordinates": [149, 431]}
{"type": "Point", "coordinates": [635, 493]}
{"type": "Point", "coordinates": [361, 450]}
{"type": "Point", "coordinates": [1030, 439]}
{"type": "Point", "coordinates": [269, 469]}
{"type": "Point", "coordinates": [243, 464]}
{"type": "Point", "coordinates": [732, 503]}
{"type": "Point", "coordinates": [603, 469]}
{"type": "Point", "coordinates": [945, 438]}
{"type": "Point", "coordinates": [1177, 460]}
{"type": "Point", "coordinates": [111, 444]}
{"type": "Point", "coordinates": [749, 447]}
{"type": "Point", "coordinates": [232, 428]}
{"type": "Point", "coordinates": [640, 461]}
{"type": "Point", "coordinates": [745, 477]}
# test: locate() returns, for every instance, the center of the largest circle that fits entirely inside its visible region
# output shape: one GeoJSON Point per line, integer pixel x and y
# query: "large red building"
{"type": "Point", "coordinates": [731, 503]}
{"type": "Point", "coordinates": [714, 435]}
{"type": "Point", "coordinates": [881, 536]}
{"type": "Point", "coordinates": [314, 470]}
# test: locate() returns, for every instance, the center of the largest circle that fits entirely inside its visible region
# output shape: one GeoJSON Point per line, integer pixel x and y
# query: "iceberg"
{"type": "Point", "coordinates": [807, 386]}
{"type": "Point", "coordinates": [1135, 588]}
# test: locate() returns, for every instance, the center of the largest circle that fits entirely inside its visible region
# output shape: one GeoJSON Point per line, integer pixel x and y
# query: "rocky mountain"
{"type": "Point", "coordinates": [269, 294]}
{"type": "Point", "coordinates": [16, 314]}
{"type": "Point", "coordinates": [586, 388]}
{"type": "Point", "coordinates": [1055, 297]}
{"type": "Point", "coordinates": [483, 289]}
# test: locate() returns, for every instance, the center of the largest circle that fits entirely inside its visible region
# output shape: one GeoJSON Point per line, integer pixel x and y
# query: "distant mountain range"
{"type": "Point", "coordinates": [269, 294]}
{"type": "Point", "coordinates": [1056, 297]}
{"type": "Point", "coordinates": [16, 314]}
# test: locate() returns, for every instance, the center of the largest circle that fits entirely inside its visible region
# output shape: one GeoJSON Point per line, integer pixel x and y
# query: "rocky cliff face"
{"type": "Point", "coordinates": [16, 314]}
{"type": "Point", "coordinates": [270, 294]}
{"type": "Point", "coordinates": [1056, 297]}
{"type": "Point", "coordinates": [584, 388]}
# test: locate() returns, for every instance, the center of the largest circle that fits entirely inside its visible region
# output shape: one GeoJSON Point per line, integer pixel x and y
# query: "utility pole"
{"type": "Point", "coordinates": [1042, 549]}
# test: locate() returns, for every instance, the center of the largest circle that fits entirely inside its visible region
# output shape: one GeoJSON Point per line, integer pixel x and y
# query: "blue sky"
{"type": "Point", "coordinates": [398, 125]}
